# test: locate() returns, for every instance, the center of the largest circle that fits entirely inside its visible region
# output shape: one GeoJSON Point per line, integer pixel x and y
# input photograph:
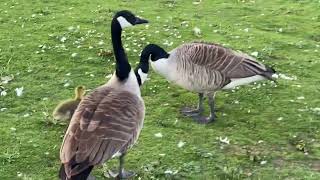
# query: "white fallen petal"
{"type": "Point", "coordinates": [74, 54]}
{"type": "Point", "coordinates": [225, 140]}
{"type": "Point", "coordinates": [263, 162]}
{"type": "Point", "coordinates": [168, 172]}
{"type": "Point", "coordinates": [26, 115]}
{"type": "Point", "coordinates": [101, 43]}
{"type": "Point", "coordinates": [3, 109]}
{"type": "Point", "coordinates": [13, 129]}
{"type": "Point", "coordinates": [19, 91]}
{"type": "Point", "coordinates": [196, 2]}
{"type": "Point", "coordinates": [197, 31]}
{"type": "Point", "coordinates": [7, 79]}
{"type": "Point", "coordinates": [255, 54]}
{"type": "Point", "coordinates": [181, 144]}
{"type": "Point", "coordinates": [286, 77]}
{"type": "Point", "coordinates": [3, 93]}
{"type": "Point", "coordinates": [280, 119]}
{"type": "Point", "coordinates": [159, 135]}
{"type": "Point", "coordinates": [19, 174]}
{"type": "Point", "coordinates": [63, 39]}
{"type": "Point", "coordinates": [71, 28]}
{"type": "Point", "coordinates": [300, 98]}
{"type": "Point", "coordinates": [66, 84]}
{"type": "Point", "coordinates": [316, 110]}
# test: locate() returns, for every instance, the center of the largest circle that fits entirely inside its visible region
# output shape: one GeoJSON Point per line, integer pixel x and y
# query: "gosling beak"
{"type": "Point", "coordinates": [140, 21]}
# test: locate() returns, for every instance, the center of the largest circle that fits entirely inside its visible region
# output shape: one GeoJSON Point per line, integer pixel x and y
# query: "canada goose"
{"type": "Point", "coordinates": [65, 109]}
{"type": "Point", "coordinates": [205, 68]}
{"type": "Point", "coordinates": [107, 121]}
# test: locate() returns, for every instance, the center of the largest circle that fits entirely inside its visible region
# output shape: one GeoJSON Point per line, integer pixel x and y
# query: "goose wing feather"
{"type": "Point", "coordinates": [106, 122]}
{"type": "Point", "coordinates": [230, 63]}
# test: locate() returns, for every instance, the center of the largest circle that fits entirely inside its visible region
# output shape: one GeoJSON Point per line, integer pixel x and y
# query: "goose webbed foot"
{"type": "Point", "coordinates": [123, 175]}
{"type": "Point", "coordinates": [187, 111]}
{"type": "Point", "coordinates": [194, 112]}
{"type": "Point", "coordinates": [126, 174]}
{"type": "Point", "coordinates": [204, 120]}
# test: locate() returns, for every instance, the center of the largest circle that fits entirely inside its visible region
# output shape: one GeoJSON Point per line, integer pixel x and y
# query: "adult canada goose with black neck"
{"type": "Point", "coordinates": [205, 68]}
{"type": "Point", "coordinates": [107, 121]}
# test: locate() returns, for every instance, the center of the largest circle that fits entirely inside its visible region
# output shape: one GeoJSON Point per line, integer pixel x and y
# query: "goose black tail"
{"type": "Point", "coordinates": [269, 73]}
{"type": "Point", "coordinates": [82, 176]}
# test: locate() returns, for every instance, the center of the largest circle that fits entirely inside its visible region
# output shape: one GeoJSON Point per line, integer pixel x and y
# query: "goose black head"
{"type": "Point", "coordinates": [126, 19]}
{"type": "Point", "coordinates": [153, 52]}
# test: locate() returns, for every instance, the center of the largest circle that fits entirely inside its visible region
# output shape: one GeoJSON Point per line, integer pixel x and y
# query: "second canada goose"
{"type": "Point", "coordinates": [205, 68]}
{"type": "Point", "coordinates": [108, 121]}
{"type": "Point", "coordinates": [65, 109]}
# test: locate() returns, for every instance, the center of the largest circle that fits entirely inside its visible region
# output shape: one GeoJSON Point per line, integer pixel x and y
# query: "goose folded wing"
{"type": "Point", "coordinates": [101, 127]}
{"type": "Point", "coordinates": [227, 61]}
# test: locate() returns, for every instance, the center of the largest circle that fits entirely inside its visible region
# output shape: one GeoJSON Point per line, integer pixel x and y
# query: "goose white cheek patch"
{"type": "Point", "coordinates": [143, 76]}
{"type": "Point", "coordinates": [123, 22]}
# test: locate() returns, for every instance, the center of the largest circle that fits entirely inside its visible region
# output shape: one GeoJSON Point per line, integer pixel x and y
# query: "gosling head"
{"type": "Point", "coordinates": [126, 19]}
{"type": "Point", "coordinates": [79, 92]}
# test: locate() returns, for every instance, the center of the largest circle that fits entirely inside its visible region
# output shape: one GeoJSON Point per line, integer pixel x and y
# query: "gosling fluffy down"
{"type": "Point", "coordinates": [65, 109]}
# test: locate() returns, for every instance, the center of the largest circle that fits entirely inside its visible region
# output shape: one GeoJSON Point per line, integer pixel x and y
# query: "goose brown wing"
{"type": "Point", "coordinates": [230, 63]}
{"type": "Point", "coordinates": [105, 123]}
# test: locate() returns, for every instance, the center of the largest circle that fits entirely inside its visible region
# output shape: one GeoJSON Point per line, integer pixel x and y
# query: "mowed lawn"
{"type": "Point", "coordinates": [263, 130]}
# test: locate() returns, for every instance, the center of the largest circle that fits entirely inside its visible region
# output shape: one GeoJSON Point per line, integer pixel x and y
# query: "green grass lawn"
{"type": "Point", "coordinates": [50, 47]}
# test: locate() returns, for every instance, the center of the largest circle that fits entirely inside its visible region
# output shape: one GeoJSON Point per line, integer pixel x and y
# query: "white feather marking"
{"type": "Point", "coordinates": [242, 81]}
{"type": "Point", "coordinates": [143, 76]}
{"type": "Point", "coordinates": [117, 154]}
{"type": "Point", "coordinates": [131, 84]}
{"type": "Point", "coordinates": [123, 22]}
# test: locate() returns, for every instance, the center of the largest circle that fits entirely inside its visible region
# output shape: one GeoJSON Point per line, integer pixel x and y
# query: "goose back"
{"type": "Point", "coordinates": [107, 122]}
{"type": "Point", "coordinates": [203, 66]}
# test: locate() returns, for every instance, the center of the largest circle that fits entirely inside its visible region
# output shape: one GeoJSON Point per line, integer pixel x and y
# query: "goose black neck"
{"type": "Point", "coordinates": [122, 65]}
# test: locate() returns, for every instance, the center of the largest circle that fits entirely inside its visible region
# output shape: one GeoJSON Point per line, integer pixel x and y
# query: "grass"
{"type": "Point", "coordinates": [273, 129]}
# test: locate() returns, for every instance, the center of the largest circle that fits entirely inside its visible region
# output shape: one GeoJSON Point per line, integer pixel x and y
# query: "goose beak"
{"type": "Point", "coordinates": [140, 21]}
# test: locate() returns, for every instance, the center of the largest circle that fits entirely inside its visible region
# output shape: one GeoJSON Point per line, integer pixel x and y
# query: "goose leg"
{"type": "Point", "coordinates": [193, 112]}
{"type": "Point", "coordinates": [122, 173]}
{"type": "Point", "coordinates": [211, 118]}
